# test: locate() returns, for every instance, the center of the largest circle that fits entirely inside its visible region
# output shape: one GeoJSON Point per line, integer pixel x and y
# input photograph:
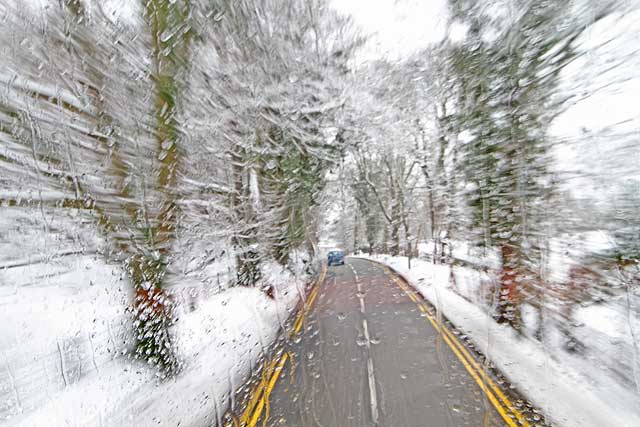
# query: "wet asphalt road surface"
{"type": "Point", "coordinates": [367, 357]}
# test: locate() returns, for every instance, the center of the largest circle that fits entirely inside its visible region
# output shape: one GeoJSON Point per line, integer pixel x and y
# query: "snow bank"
{"type": "Point", "coordinates": [65, 331]}
{"type": "Point", "coordinates": [550, 378]}
{"type": "Point", "coordinates": [220, 343]}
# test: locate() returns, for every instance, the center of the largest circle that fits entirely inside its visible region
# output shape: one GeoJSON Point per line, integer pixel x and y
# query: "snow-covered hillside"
{"type": "Point", "coordinates": [66, 331]}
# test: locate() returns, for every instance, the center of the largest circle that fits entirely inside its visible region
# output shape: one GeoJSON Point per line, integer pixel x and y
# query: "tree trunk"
{"type": "Point", "coordinates": [408, 249]}
{"type": "Point", "coordinates": [385, 239]}
{"type": "Point", "coordinates": [355, 231]}
{"type": "Point", "coordinates": [508, 309]}
{"type": "Point", "coordinates": [395, 238]}
{"type": "Point", "coordinates": [153, 308]}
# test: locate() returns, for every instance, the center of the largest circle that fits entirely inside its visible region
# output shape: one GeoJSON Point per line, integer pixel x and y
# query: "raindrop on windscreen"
{"type": "Point", "coordinates": [218, 16]}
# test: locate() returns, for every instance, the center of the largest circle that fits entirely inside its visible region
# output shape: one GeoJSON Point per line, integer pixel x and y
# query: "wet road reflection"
{"type": "Point", "coordinates": [367, 357]}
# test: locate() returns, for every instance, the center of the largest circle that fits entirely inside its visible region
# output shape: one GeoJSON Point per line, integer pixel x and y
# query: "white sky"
{"type": "Point", "coordinates": [601, 130]}
{"type": "Point", "coordinates": [400, 27]}
{"type": "Point", "coordinates": [397, 27]}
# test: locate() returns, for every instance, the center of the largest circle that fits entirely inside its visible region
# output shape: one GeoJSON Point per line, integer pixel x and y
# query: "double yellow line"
{"type": "Point", "coordinates": [261, 392]}
{"type": "Point", "coordinates": [500, 401]}
{"type": "Point", "coordinates": [259, 402]}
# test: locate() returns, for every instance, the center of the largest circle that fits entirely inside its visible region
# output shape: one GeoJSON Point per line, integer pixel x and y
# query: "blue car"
{"type": "Point", "coordinates": [336, 258]}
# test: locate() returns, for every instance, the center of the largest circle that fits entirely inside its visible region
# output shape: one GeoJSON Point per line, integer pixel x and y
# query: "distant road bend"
{"type": "Point", "coordinates": [367, 350]}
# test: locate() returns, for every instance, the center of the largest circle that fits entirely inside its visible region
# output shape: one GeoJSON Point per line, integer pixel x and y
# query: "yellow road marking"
{"type": "Point", "coordinates": [510, 406]}
{"type": "Point", "coordinates": [300, 319]}
{"type": "Point", "coordinates": [260, 395]}
{"type": "Point", "coordinates": [264, 401]}
{"type": "Point", "coordinates": [478, 374]}
{"type": "Point", "coordinates": [257, 392]}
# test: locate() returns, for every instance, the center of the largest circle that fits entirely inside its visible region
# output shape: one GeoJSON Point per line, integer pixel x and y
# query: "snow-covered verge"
{"type": "Point", "coordinates": [220, 342]}
{"type": "Point", "coordinates": [571, 390]}
{"type": "Point", "coordinates": [65, 331]}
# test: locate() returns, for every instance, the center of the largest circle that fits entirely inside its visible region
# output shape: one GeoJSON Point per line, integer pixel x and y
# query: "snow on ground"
{"type": "Point", "coordinates": [463, 251]}
{"type": "Point", "coordinates": [65, 332]}
{"type": "Point", "coordinates": [220, 343]}
{"type": "Point", "coordinates": [571, 390]}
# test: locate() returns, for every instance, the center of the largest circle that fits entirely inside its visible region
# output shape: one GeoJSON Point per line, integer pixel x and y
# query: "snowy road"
{"type": "Point", "coordinates": [370, 353]}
